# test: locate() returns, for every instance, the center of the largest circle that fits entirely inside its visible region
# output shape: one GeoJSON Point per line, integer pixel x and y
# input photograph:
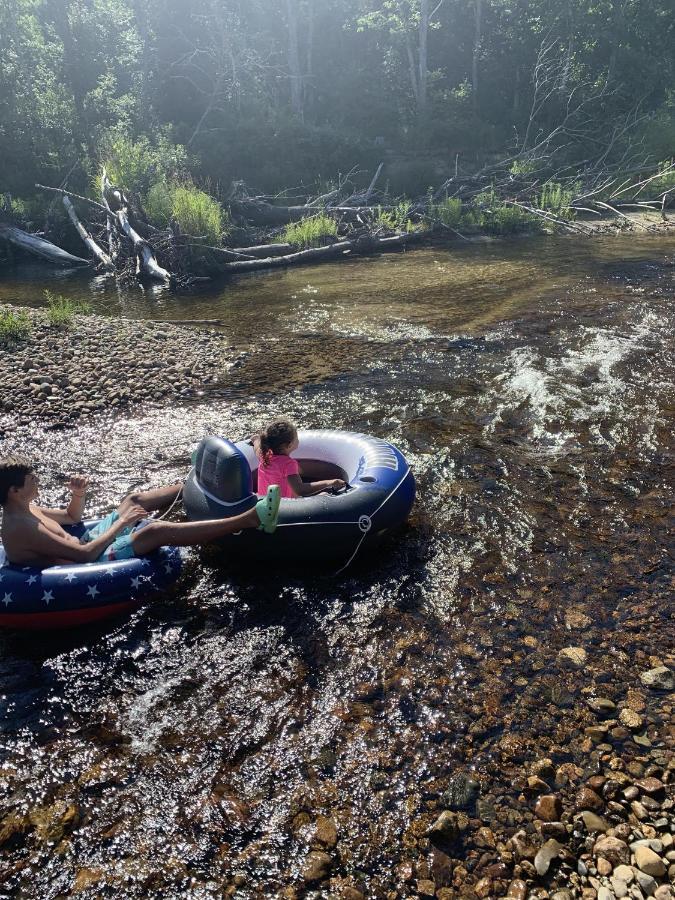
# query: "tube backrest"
{"type": "Point", "coordinates": [222, 470]}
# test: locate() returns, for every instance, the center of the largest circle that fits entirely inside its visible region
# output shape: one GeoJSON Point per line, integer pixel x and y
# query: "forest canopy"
{"type": "Point", "coordinates": [285, 93]}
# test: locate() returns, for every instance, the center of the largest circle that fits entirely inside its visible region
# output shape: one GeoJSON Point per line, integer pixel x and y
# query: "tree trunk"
{"type": "Point", "coordinates": [39, 247]}
{"type": "Point", "coordinates": [91, 244]}
{"type": "Point", "coordinates": [422, 75]}
{"type": "Point", "coordinates": [294, 69]}
{"type": "Point", "coordinates": [477, 40]}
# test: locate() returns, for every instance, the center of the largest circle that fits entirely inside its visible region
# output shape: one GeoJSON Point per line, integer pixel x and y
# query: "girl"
{"type": "Point", "coordinates": [273, 446]}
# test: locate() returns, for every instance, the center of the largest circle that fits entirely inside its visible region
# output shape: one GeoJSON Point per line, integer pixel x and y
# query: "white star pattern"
{"type": "Point", "coordinates": [7, 599]}
{"type": "Point", "coordinates": [70, 577]}
{"type": "Point", "coordinates": [47, 596]}
{"type": "Point", "coordinates": [32, 579]}
{"type": "Point", "coordinates": [168, 568]}
{"type": "Point", "coordinates": [92, 591]}
{"type": "Point", "coordinates": [2, 577]}
{"type": "Point", "coordinates": [110, 571]}
{"type": "Point", "coordinates": [135, 583]}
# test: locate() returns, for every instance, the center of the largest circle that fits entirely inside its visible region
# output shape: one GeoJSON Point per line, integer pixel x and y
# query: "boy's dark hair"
{"type": "Point", "coordinates": [274, 437]}
{"type": "Point", "coordinates": [13, 471]}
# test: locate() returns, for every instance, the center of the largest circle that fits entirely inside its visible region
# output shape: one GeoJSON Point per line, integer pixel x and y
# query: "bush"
{"type": "Point", "coordinates": [62, 310]}
{"type": "Point", "coordinates": [447, 212]}
{"type": "Point", "coordinates": [310, 232]}
{"type": "Point", "coordinates": [496, 217]}
{"type": "Point", "coordinates": [198, 214]}
{"type": "Point", "coordinates": [557, 198]}
{"type": "Point", "coordinates": [14, 327]}
{"type": "Point", "coordinates": [134, 165]}
{"type": "Point", "coordinates": [395, 219]}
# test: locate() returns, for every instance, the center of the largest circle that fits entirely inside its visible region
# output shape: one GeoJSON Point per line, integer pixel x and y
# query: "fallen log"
{"type": "Point", "coordinates": [263, 250]}
{"type": "Point", "coordinates": [364, 245]}
{"type": "Point", "coordinates": [40, 247]}
{"type": "Point", "coordinates": [88, 240]}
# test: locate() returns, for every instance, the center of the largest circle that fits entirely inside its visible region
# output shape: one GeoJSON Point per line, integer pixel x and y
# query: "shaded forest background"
{"type": "Point", "coordinates": [286, 94]}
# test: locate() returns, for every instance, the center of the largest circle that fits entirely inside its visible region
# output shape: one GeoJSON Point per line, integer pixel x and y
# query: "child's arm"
{"type": "Point", "coordinates": [300, 489]}
{"type": "Point", "coordinates": [73, 514]}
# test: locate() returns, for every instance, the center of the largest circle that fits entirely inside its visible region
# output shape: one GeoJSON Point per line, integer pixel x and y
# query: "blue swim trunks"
{"type": "Point", "coordinates": [121, 547]}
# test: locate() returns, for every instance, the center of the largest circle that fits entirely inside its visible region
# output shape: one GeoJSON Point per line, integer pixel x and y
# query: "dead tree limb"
{"type": "Point", "coordinates": [88, 240]}
{"type": "Point", "coordinates": [146, 262]}
{"type": "Point", "coordinates": [40, 247]}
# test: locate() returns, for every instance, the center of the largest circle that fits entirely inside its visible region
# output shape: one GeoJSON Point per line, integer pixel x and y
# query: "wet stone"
{"type": "Point", "coordinates": [649, 862]}
{"type": "Point", "coordinates": [660, 678]}
{"type": "Point", "coordinates": [548, 808]}
{"type": "Point", "coordinates": [461, 793]}
{"type": "Point", "coordinates": [545, 856]}
{"type": "Point", "coordinates": [316, 867]}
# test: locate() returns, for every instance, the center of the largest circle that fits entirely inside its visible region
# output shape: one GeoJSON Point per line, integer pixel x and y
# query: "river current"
{"type": "Point", "coordinates": [196, 742]}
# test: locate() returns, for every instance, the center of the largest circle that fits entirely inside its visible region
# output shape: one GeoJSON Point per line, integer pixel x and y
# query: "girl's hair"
{"type": "Point", "coordinates": [272, 438]}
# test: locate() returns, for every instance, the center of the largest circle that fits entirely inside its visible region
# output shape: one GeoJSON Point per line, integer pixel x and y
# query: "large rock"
{"type": "Point", "coordinates": [649, 862]}
{"type": "Point", "coordinates": [448, 826]}
{"type": "Point", "coordinates": [546, 855]}
{"type": "Point", "coordinates": [572, 657]}
{"type": "Point", "coordinates": [613, 850]}
{"type": "Point", "coordinates": [462, 792]}
{"type": "Point", "coordinates": [316, 867]}
{"type": "Point", "coordinates": [548, 808]}
{"type": "Point", "coordinates": [660, 679]}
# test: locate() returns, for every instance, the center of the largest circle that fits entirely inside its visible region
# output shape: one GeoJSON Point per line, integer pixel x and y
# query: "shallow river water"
{"type": "Point", "coordinates": [189, 748]}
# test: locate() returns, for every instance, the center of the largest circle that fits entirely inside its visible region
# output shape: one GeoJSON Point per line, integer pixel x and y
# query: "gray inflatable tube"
{"type": "Point", "coordinates": [326, 527]}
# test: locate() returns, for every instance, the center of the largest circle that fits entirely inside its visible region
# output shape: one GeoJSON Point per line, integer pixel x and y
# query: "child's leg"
{"type": "Point", "coordinates": [188, 534]}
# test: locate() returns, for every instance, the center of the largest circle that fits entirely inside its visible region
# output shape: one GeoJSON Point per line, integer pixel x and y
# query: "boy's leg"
{"type": "Point", "coordinates": [188, 534]}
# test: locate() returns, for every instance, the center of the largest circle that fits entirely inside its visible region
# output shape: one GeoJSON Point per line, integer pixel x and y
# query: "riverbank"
{"type": "Point", "coordinates": [63, 375]}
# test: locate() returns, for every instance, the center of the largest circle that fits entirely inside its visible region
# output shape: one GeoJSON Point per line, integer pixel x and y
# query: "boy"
{"type": "Point", "coordinates": [32, 535]}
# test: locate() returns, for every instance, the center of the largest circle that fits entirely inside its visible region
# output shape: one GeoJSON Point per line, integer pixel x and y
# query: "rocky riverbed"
{"type": "Point", "coordinates": [62, 375]}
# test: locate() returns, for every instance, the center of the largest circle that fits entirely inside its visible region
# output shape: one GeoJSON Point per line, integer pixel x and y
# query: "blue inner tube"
{"type": "Point", "coordinates": [380, 493]}
{"type": "Point", "coordinates": [78, 593]}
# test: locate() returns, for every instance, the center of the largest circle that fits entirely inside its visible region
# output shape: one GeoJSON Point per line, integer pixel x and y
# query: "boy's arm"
{"type": "Point", "coordinates": [73, 513]}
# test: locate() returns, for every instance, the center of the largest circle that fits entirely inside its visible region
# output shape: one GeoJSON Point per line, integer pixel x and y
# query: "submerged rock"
{"type": "Point", "coordinates": [660, 678]}
{"type": "Point", "coordinates": [546, 855]}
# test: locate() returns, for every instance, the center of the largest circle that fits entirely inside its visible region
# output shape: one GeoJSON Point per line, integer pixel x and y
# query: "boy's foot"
{"type": "Point", "coordinates": [268, 509]}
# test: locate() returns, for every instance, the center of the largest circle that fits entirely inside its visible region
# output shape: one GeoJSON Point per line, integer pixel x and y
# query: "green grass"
{"type": "Point", "coordinates": [61, 311]}
{"type": "Point", "coordinates": [310, 232]}
{"type": "Point", "coordinates": [557, 198]}
{"type": "Point", "coordinates": [395, 219]}
{"type": "Point", "coordinates": [14, 327]}
{"type": "Point", "coordinates": [198, 214]}
{"type": "Point", "coordinates": [448, 212]}
{"type": "Point", "coordinates": [497, 217]}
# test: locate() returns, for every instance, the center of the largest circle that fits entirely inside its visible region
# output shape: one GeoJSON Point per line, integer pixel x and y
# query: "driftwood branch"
{"type": "Point", "coordinates": [88, 240]}
{"type": "Point", "coordinates": [40, 247]}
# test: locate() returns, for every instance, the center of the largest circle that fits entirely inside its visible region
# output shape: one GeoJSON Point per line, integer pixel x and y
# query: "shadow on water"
{"type": "Point", "coordinates": [193, 744]}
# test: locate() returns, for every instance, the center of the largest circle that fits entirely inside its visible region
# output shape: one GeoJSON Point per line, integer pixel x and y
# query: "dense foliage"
{"type": "Point", "coordinates": [281, 93]}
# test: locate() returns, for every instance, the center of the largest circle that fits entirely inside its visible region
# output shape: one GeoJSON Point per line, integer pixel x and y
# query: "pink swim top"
{"type": "Point", "coordinates": [276, 471]}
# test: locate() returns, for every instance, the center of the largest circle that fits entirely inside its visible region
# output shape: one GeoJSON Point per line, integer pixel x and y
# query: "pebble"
{"type": "Point", "coordinates": [625, 873]}
{"type": "Point", "coordinates": [572, 657]}
{"type": "Point", "coordinates": [612, 849]}
{"type": "Point", "coordinates": [317, 866]}
{"type": "Point", "coordinates": [548, 808]}
{"type": "Point", "coordinates": [593, 822]}
{"type": "Point", "coordinates": [604, 893]}
{"type": "Point", "coordinates": [650, 862]}
{"type": "Point", "coordinates": [119, 362]}
{"type": "Point", "coordinates": [660, 678]}
{"type": "Point", "coordinates": [546, 855]}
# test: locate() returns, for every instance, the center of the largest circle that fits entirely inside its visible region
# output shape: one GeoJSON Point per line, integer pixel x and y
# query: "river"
{"type": "Point", "coordinates": [189, 748]}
